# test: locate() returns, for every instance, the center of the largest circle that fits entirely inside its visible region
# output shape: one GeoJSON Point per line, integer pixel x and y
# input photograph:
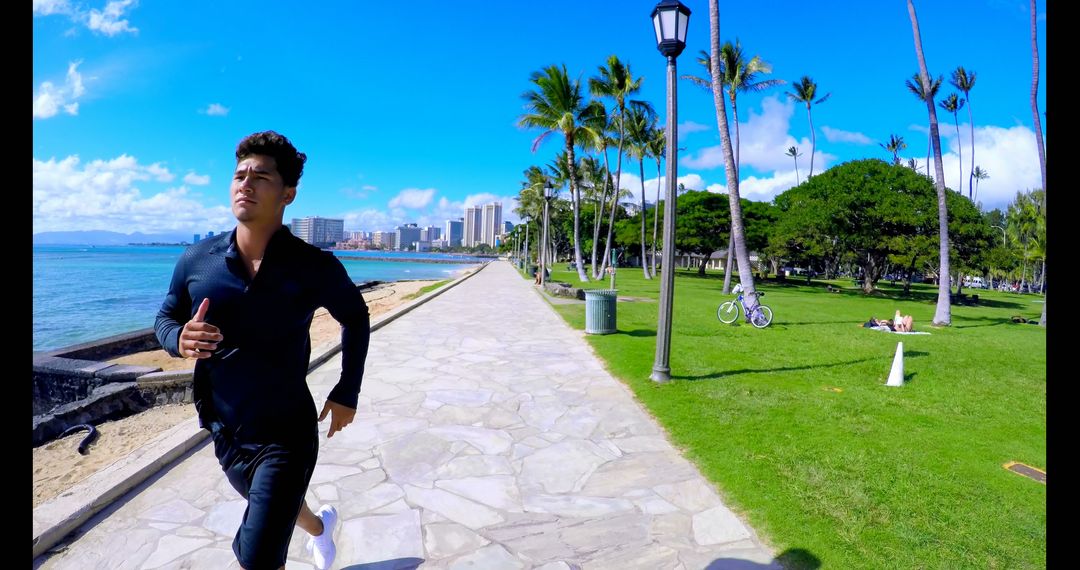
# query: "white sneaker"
{"type": "Point", "coordinates": [322, 547]}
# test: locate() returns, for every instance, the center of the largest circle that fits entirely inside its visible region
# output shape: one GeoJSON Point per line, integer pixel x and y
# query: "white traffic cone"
{"type": "Point", "coordinates": [896, 375]}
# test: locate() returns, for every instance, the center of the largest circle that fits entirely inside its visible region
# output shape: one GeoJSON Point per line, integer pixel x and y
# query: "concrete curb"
{"type": "Point", "coordinates": [56, 518]}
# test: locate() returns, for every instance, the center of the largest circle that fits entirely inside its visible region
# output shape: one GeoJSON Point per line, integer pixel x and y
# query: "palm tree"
{"type": "Point", "coordinates": [915, 86]}
{"type": "Point", "coordinates": [656, 148]}
{"type": "Point", "coordinates": [979, 174]}
{"type": "Point", "coordinates": [739, 75]}
{"type": "Point", "coordinates": [593, 189]}
{"type": "Point", "coordinates": [794, 153]}
{"type": "Point", "coordinates": [913, 164]}
{"type": "Point", "coordinates": [805, 91]}
{"type": "Point", "coordinates": [1038, 123]}
{"type": "Point", "coordinates": [557, 106]}
{"type": "Point", "coordinates": [964, 80]}
{"type": "Point", "coordinates": [596, 126]}
{"type": "Point", "coordinates": [943, 313]}
{"type": "Point", "coordinates": [746, 275]}
{"type": "Point", "coordinates": [640, 124]}
{"type": "Point", "coordinates": [617, 82]}
{"type": "Point", "coordinates": [895, 145]}
{"type": "Point", "coordinates": [953, 103]}
{"type": "Point", "coordinates": [531, 202]}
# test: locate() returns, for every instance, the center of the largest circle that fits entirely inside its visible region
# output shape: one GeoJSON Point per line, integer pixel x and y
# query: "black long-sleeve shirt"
{"type": "Point", "coordinates": [255, 382]}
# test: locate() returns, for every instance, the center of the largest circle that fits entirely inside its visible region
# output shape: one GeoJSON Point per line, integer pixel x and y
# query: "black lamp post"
{"type": "Point", "coordinates": [670, 19]}
{"type": "Point", "coordinates": [548, 191]}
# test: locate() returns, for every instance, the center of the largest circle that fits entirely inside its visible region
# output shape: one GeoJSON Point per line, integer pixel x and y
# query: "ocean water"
{"type": "Point", "coordinates": [84, 293]}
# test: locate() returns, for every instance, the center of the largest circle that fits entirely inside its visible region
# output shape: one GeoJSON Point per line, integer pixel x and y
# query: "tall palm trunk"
{"type": "Point", "coordinates": [971, 172]}
{"type": "Point", "coordinates": [598, 215]}
{"type": "Point", "coordinates": [929, 151]}
{"type": "Point", "coordinates": [1038, 123]}
{"type": "Point", "coordinates": [598, 222]}
{"type": "Point", "coordinates": [943, 313]}
{"type": "Point", "coordinates": [641, 172]}
{"type": "Point", "coordinates": [746, 276]}
{"type": "Point", "coordinates": [615, 198]}
{"type": "Point", "coordinates": [575, 193]}
{"type": "Point", "coordinates": [813, 140]}
{"type": "Point", "coordinates": [655, 217]}
{"type": "Point", "coordinates": [960, 156]}
{"type": "Point", "coordinates": [728, 259]}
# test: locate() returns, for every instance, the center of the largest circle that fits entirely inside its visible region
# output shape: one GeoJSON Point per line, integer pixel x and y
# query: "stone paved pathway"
{"type": "Point", "coordinates": [488, 435]}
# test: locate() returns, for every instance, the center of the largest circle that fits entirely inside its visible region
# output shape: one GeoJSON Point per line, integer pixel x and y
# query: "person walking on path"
{"type": "Point", "coordinates": [241, 304]}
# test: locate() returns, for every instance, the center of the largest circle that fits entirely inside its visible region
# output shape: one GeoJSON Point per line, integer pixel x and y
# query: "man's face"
{"type": "Point", "coordinates": [258, 192]}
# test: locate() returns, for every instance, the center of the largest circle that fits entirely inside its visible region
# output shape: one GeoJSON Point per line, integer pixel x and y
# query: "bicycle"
{"type": "Point", "coordinates": [757, 314]}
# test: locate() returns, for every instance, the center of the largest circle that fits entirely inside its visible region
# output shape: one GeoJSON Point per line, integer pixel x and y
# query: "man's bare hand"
{"type": "Point", "coordinates": [199, 339]}
{"type": "Point", "coordinates": [340, 416]}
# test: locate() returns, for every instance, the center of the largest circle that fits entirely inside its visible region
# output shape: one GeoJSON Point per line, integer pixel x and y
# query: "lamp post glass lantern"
{"type": "Point", "coordinates": [670, 20]}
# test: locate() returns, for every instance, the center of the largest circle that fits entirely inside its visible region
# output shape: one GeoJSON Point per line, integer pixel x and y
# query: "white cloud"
{"type": "Point", "coordinates": [104, 195]}
{"type": "Point", "coordinates": [413, 198]}
{"type": "Point", "coordinates": [1009, 155]}
{"type": "Point", "coordinates": [691, 127]}
{"type": "Point", "coordinates": [369, 220]}
{"type": "Point", "coordinates": [108, 21]}
{"type": "Point", "coordinates": [763, 139]}
{"type": "Point", "coordinates": [196, 179]}
{"type": "Point", "coordinates": [479, 199]}
{"type": "Point", "coordinates": [47, 7]}
{"type": "Point", "coordinates": [433, 213]}
{"type": "Point", "coordinates": [632, 183]}
{"type": "Point", "coordinates": [215, 109]}
{"type": "Point", "coordinates": [836, 135]}
{"type": "Point", "coordinates": [368, 188]}
{"type": "Point", "coordinates": [50, 98]}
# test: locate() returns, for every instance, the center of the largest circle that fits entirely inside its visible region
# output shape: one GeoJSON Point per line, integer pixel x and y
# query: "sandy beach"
{"type": "Point", "coordinates": [58, 465]}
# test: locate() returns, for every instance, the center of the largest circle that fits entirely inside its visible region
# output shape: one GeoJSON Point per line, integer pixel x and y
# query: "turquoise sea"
{"type": "Point", "coordinates": [83, 293]}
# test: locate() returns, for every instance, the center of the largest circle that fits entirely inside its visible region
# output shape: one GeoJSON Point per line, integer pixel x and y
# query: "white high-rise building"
{"type": "Point", "coordinates": [492, 223]}
{"type": "Point", "coordinates": [471, 229]}
{"type": "Point", "coordinates": [405, 236]}
{"type": "Point", "coordinates": [453, 233]}
{"type": "Point", "coordinates": [322, 232]}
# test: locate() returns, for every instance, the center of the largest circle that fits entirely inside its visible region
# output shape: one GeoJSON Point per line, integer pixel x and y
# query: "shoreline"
{"type": "Point", "coordinates": [58, 466]}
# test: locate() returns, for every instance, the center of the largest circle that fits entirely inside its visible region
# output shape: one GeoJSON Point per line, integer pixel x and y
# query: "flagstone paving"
{"type": "Point", "coordinates": [488, 435]}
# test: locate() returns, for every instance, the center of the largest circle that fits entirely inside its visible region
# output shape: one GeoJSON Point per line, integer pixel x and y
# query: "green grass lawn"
{"type": "Point", "coordinates": [425, 289]}
{"type": "Point", "coordinates": [797, 429]}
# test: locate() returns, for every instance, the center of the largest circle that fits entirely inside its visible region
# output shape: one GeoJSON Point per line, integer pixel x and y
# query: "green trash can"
{"type": "Point", "coordinates": [600, 311]}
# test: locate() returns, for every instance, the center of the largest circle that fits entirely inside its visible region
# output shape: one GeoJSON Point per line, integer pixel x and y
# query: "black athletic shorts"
{"type": "Point", "coordinates": [273, 477]}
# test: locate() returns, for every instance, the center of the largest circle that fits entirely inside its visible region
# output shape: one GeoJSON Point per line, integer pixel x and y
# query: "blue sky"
{"type": "Point", "coordinates": [408, 110]}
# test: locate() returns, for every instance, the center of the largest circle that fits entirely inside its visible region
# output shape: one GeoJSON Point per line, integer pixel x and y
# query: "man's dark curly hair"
{"type": "Point", "coordinates": [290, 162]}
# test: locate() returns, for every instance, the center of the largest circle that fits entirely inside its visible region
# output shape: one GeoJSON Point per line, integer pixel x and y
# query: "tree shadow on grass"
{"type": "Point", "coordinates": [638, 332]}
{"type": "Point", "coordinates": [724, 373]}
{"type": "Point", "coordinates": [992, 322]}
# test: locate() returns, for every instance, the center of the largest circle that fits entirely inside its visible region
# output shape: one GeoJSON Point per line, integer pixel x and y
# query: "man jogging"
{"type": "Point", "coordinates": [241, 304]}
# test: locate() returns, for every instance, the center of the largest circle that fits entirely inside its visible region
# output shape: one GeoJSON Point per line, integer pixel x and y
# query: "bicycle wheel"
{"type": "Point", "coordinates": [728, 312]}
{"type": "Point", "coordinates": [762, 316]}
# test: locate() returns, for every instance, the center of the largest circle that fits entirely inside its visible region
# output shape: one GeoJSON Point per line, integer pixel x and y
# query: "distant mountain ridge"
{"type": "Point", "coordinates": [102, 237]}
